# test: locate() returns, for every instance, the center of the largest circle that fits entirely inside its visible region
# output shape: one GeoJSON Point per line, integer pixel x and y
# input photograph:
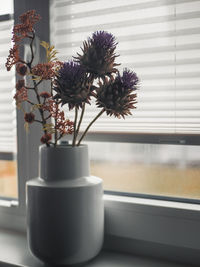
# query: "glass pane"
{"type": "Point", "coordinates": [163, 170]}
{"type": "Point", "coordinates": [8, 178]}
{"type": "Point", "coordinates": [8, 136]}
{"type": "Point", "coordinates": [7, 7]}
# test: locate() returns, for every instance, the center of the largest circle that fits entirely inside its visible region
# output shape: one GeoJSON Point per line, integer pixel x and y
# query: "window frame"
{"type": "Point", "coordinates": [172, 224]}
{"type": "Point", "coordinates": [8, 208]}
{"type": "Point", "coordinates": [168, 139]}
{"type": "Point", "coordinates": [153, 228]}
{"type": "Point", "coordinates": [12, 214]}
{"type": "Point", "coordinates": [6, 155]}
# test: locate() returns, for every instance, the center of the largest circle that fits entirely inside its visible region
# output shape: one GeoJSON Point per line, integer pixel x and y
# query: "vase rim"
{"type": "Point", "coordinates": [61, 146]}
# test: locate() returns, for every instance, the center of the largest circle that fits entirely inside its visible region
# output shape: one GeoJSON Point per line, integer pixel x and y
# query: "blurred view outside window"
{"type": "Point", "coordinates": [160, 41]}
{"type": "Point", "coordinates": [164, 170]}
{"type": "Point", "coordinates": [8, 139]}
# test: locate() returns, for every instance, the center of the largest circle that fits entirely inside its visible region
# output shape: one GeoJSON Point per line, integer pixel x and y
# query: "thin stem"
{"type": "Point", "coordinates": [40, 109]}
{"type": "Point", "coordinates": [36, 84]}
{"type": "Point", "coordinates": [80, 120]}
{"type": "Point", "coordinates": [28, 36]}
{"type": "Point", "coordinates": [30, 102]}
{"type": "Point", "coordinates": [61, 135]}
{"type": "Point", "coordinates": [51, 88]}
{"type": "Point", "coordinates": [38, 121]}
{"type": "Point", "coordinates": [31, 46]}
{"type": "Point", "coordinates": [22, 61]}
{"type": "Point", "coordinates": [82, 113]}
{"type": "Point", "coordinates": [33, 88]}
{"type": "Point", "coordinates": [29, 88]}
{"type": "Point", "coordinates": [55, 119]}
{"type": "Point", "coordinates": [48, 117]}
{"type": "Point", "coordinates": [86, 130]}
{"type": "Point", "coordinates": [75, 122]}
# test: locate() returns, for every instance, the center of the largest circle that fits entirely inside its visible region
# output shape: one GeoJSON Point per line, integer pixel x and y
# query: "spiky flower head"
{"type": "Point", "coordinates": [99, 54]}
{"type": "Point", "coordinates": [103, 40]}
{"type": "Point", "coordinates": [117, 95]}
{"type": "Point", "coordinates": [72, 85]}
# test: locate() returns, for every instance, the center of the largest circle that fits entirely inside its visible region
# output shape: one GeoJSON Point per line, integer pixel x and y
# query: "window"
{"type": "Point", "coordinates": [147, 169]}
{"type": "Point", "coordinates": [136, 225]}
{"type": "Point", "coordinates": [160, 41]}
{"type": "Point", "coordinates": [157, 39]}
{"type": "Point", "coordinates": [8, 144]}
{"type": "Point", "coordinates": [12, 211]}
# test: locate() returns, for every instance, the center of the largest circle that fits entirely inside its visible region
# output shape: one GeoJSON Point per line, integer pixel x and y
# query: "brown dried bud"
{"type": "Point", "coordinates": [45, 94]}
{"type": "Point", "coordinates": [21, 69]}
{"type": "Point", "coordinates": [29, 117]}
{"type": "Point", "coordinates": [45, 138]}
{"type": "Point", "coordinates": [20, 84]}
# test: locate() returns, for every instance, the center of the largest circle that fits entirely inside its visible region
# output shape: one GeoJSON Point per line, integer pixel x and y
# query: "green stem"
{"type": "Point", "coordinates": [86, 130]}
{"type": "Point", "coordinates": [56, 132]}
{"type": "Point", "coordinates": [80, 120]}
{"type": "Point", "coordinates": [75, 122]}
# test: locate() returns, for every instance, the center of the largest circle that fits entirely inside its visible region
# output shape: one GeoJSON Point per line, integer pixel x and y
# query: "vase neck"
{"type": "Point", "coordinates": [63, 162]}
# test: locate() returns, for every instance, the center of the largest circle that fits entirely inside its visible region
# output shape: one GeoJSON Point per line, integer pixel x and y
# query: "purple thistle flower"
{"type": "Point", "coordinates": [99, 55]}
{"type": "Point", "coordinates": [103, 40]}
{"type": "Point", "coordinates": [72, 85]}
{"type": "Point", "coordinates": [116, 95]}
{"type": "Point", "coordinates": [71, 73]}
{"type": "Point", "coordinates": [128, 80]}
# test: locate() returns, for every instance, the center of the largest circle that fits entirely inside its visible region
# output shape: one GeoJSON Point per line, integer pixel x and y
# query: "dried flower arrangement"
{"type": "Point", "coordinates": [90, 74]}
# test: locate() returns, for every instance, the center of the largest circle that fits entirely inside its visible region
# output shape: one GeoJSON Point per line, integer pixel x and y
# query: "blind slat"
{"type": "Point", "coordinates": [7, 107]}
{"type": "Point", "coordinates": [159, 40]}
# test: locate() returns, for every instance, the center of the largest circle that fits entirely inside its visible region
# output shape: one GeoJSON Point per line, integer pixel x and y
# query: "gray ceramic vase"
{"type": "Point", "coordinates": [65, 213]}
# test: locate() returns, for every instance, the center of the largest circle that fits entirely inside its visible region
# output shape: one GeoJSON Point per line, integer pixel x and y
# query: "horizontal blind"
{"type": "Point", "coordinates": [7, 84]}
{"type": "Point", "coordinates": [159, 40]}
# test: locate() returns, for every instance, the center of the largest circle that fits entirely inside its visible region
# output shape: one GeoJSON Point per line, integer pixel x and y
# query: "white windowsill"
{"type": "Point", "coordinates": [14, 252]}
{"type": "Point", "coordinates": [153, 202]}
{"type": "Point", "coordinates": [8, 203]}
{"type": "Point", "coordinates": [154, 228]}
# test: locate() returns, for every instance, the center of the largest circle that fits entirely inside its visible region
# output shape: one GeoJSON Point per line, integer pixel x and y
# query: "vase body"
{"type": "Point", "coordinates": [65, 213]}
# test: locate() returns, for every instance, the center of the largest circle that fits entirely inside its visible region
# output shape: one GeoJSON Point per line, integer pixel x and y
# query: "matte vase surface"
{"type": "Point", "coordinates": [65, 213]}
